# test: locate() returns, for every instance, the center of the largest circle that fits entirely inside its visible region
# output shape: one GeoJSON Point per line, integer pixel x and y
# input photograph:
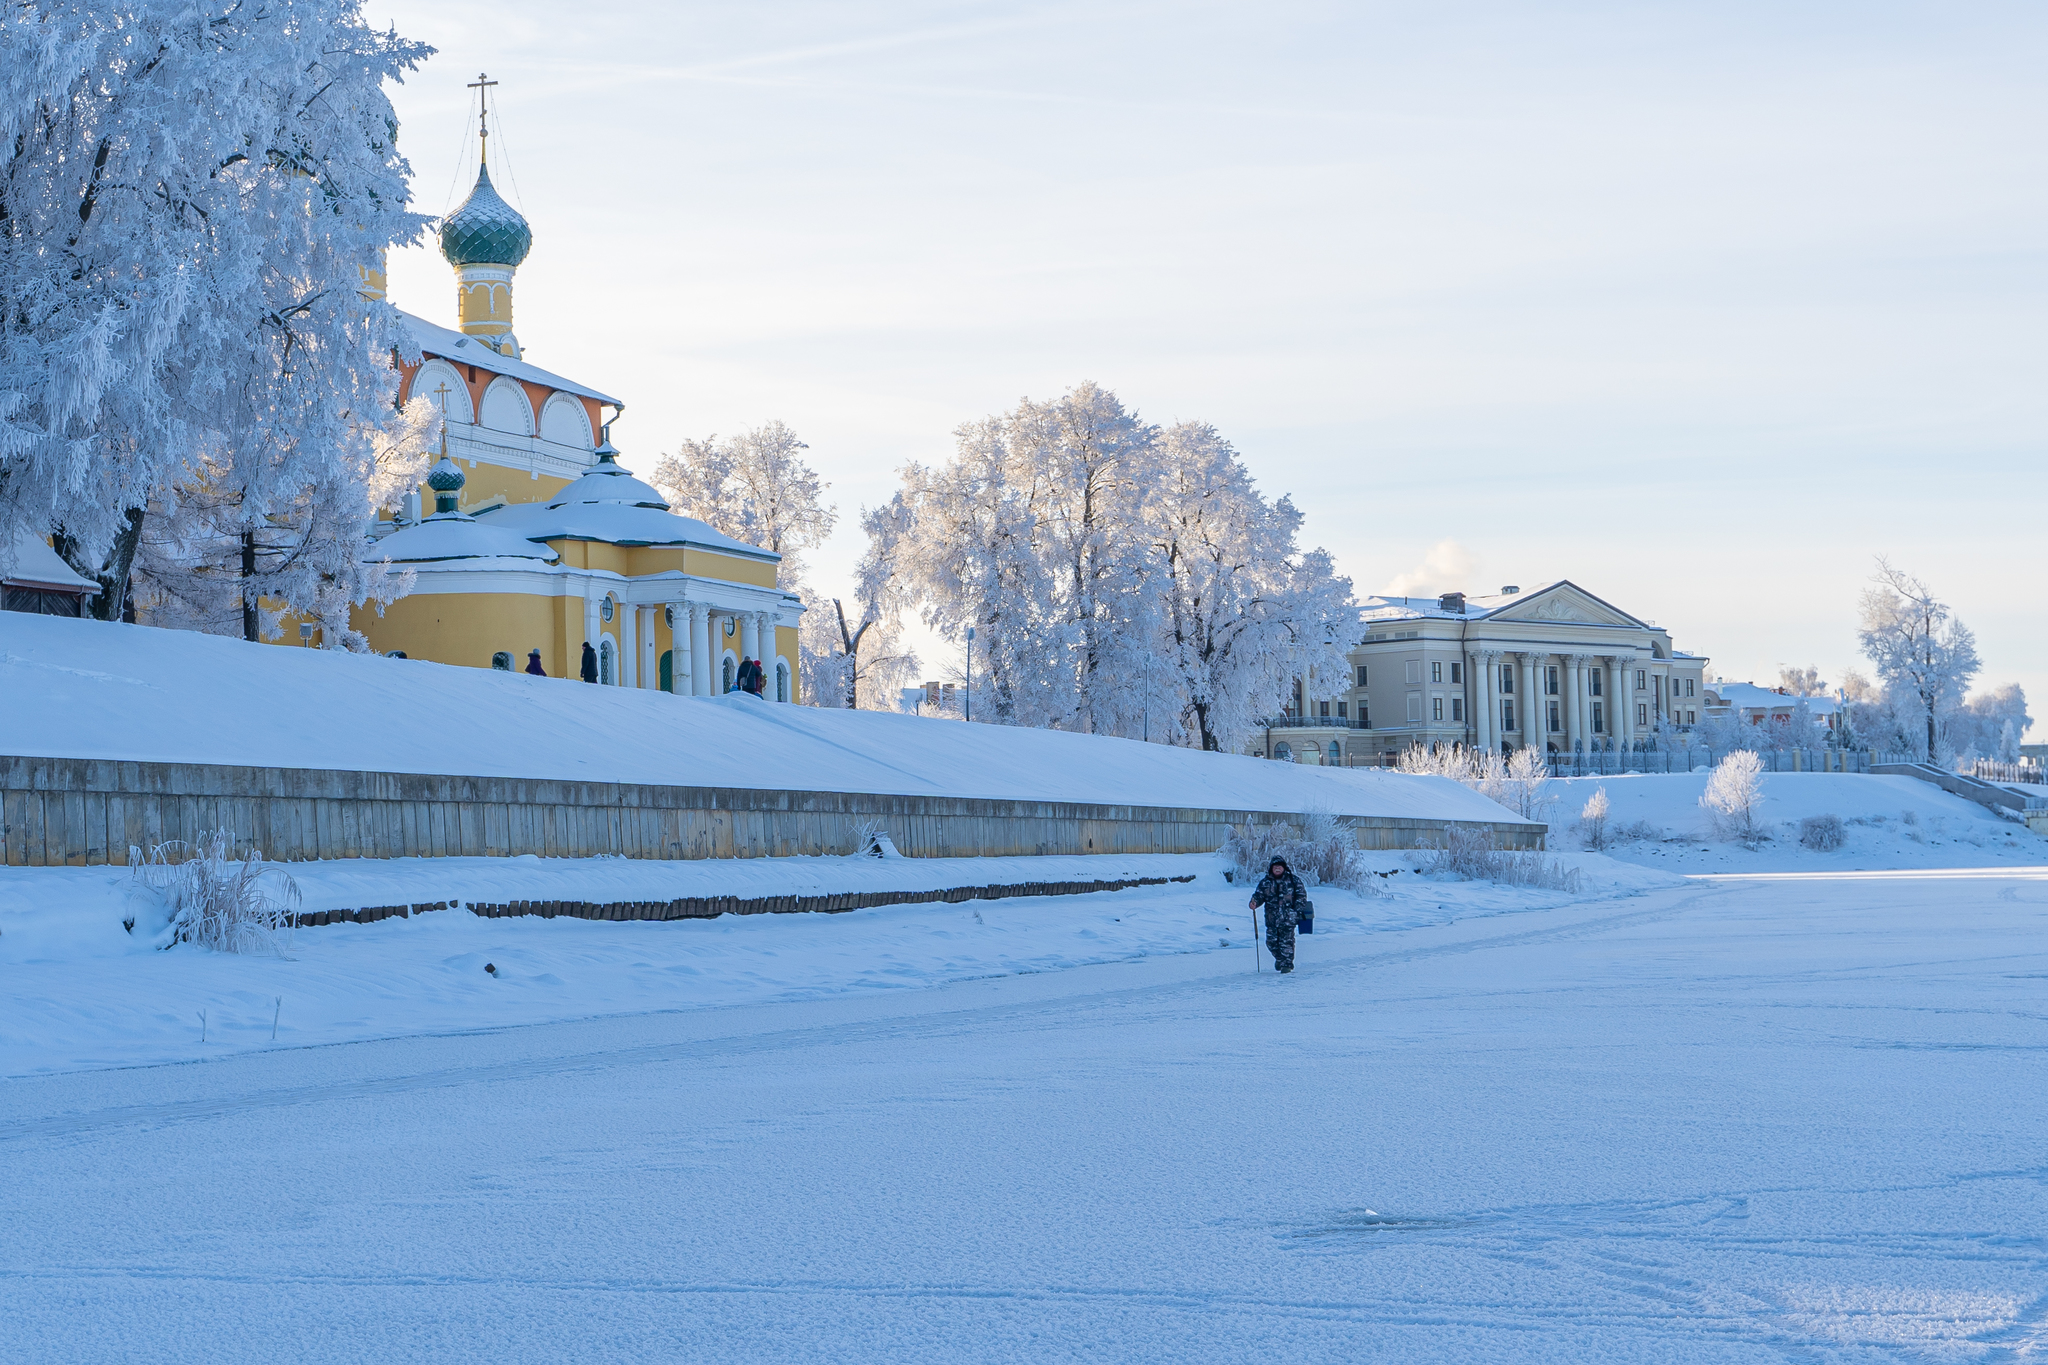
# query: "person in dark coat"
{"type": "Point", "coordinates": [757, 681]}
{"type": "Point", "coordinates": [533, 664]}
{"type": "Point", "coordinates": [1283, 895]}
{"type": "Point", "coordinates": [589, 663]}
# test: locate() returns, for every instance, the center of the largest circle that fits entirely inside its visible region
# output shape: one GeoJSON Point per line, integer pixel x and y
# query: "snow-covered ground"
{"type": "Point", "coordinates": [84, 991]}
{"type": "Point", "coordinates": [91, 689]}
{"type": "Point", "coordinates": [1890, 822]}
{"type": "Point", "coordinates": [1791, 1118]}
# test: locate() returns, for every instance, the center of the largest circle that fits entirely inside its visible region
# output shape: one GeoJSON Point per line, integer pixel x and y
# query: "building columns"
{"type": "Point", "coordinates": [1535, 720]}
{"type": "Point", "coordinates": [764, 631]}
{"type": "Point", "coordinates": [700, 650]}
{"type": "Point", "coordinates": [679, 648]}
{"type": "Point", "coordinates": [1486, 725]}
{"type": "Point", "coordinates": [1625, 699]}
{"type": "Point", "coordinates": [750, 635]}
{"type": "Point", "coordinates": [628, 618]}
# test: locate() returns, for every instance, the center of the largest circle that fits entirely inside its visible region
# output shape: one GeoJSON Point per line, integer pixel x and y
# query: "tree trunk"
{"type": "Point", "coordinates": [113, 577]}
{"type": "Point", "coordinates": [249, 586]}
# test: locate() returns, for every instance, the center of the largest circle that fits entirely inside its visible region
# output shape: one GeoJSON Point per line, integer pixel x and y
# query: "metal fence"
{"type": "Point", "coordinates": [1991, 770]}
{"type": "Point", "coordinates": [1693, 759]}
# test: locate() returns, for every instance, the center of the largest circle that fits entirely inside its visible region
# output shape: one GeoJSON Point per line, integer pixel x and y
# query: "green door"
{"type": "Point", "coordinates": [668, 670]}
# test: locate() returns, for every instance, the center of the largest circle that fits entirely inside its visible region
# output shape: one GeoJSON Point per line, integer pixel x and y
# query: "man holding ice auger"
{"type": "Point", "coordinates": [1284, 897]}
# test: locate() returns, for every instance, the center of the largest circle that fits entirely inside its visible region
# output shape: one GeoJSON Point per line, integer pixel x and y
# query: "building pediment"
{"type": "Point", "coordinates": [1565, 603]}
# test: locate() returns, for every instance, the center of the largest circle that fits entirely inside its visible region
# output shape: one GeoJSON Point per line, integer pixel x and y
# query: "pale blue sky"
{"type": "Point", "coordinates": [1700, 306]}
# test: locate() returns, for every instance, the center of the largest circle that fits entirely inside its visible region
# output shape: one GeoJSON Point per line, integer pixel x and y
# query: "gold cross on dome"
{"type": "Point", "coordinates": [482, 85]}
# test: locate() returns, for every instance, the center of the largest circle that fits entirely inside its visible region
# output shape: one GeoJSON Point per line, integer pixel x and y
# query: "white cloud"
{"type": "Point", "coordinates": [1448, 567]}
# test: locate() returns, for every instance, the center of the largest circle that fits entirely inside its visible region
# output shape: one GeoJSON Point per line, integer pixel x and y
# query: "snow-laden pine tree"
{"type": "Point", "coordinates": [1923, 656]}
{"type": "Point", "coordinates": [191, 195]}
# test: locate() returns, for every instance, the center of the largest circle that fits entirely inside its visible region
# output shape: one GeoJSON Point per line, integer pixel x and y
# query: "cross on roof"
{"type": "Point", "coordinates": [482, 85]}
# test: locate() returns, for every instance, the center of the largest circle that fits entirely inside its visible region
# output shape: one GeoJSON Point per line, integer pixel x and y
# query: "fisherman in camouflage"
{"type": "Point", "coordinates": [1283, 895]}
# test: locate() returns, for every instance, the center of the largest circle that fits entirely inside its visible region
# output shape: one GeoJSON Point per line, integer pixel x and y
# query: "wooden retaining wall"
{"type": "Point", "coordinates": [711, 907]}
{"type": "Point", "coordinates": [74, 812]}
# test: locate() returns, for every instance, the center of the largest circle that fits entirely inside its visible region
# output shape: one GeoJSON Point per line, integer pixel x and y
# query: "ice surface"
{"type": "Point", "coordinates": [1791, 1118]}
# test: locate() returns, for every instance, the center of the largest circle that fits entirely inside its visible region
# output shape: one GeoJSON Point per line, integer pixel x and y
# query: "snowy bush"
{"type": "Point", "coordinates": [1323, 852]}
{"type": "Point", "coordinates": [1734, 793]}
{"type": "Point", "coordinates": [1470, 853]}
{"type": "Point", "coordinates": [1823, 833]}
{"type": "Point", "coordinates": [211, 898]}
{"type": "Point", "coordinates": [1637, 832]}
{"type": "Point", "coordinates": [1593, 819]}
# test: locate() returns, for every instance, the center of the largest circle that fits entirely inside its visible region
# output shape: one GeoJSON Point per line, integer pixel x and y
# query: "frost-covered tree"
{"type": "Point", "coordinates": [1979, 726]}
{"type": "Point", "coordinates": [1119, 579]}
{"type": "Point", "coordinates": [1802, 682]}
{"type": "Point", "coordinates": [1242, 611]}
{"type": "Point", "coordinates": [188, 198]}
{"type": "Point", "coordinates": [856, 659]}
{"type": "Point", "coordinates": [1734, 794]}
{"type": "Point", "coordinates": [1923, 656]}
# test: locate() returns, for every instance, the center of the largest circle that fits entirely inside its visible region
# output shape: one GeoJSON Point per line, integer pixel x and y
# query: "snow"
{"type": "Point", "coordinates": [441, 341]}
{"type": "Point", "coordinates": [35, 563]}
{"type": "Point", "coordinates": [1892, 822]}
{"type": "Point", "coordinates": [448, 535]}
{"type": "Point", "coordinates": [85, 992]}
{"type": "Point", "coordinates": [618, 524]}
{"type": "Point", "coordinates": [91, 689]}
{"type": "Point", "coordinates": [1752, 1119]}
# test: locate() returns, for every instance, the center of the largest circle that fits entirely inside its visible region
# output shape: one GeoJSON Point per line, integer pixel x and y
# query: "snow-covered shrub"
{"type": "Point", "coordinates": [1527, 775]}
{"type": "Point", "coordinates": [214, 899]}
{"type": "Point", "coordinates": [1470, 853]}
{"type": "Point", "coordinates": [1734, 793]}
{"type": "Point", "coordinates": [1593, 819]}
{"type": "Point", "coordinates": [1823, 833]}
{"type": "Point", "coordinates": [1637, 832]}
{"type": "Point", "coordinates": [1323, 852]}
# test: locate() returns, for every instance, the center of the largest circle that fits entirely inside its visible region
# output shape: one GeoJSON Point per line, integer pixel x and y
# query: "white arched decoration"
{"type": "Point", "coordinates": [505, 408]}
{"type": "Point", "coordinates": [607, 660]}
{"type": "Point", "coordinates": [782, 676]}
{"type": "Point", "coordinates": [432, 377]}
{"type": "Point", "coordinates": [564, 421]}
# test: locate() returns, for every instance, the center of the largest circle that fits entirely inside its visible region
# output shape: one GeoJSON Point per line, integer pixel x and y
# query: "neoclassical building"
{"type": "Point", "coordinates": [540, 539]}
{"type": "Point", "coordinates": [1554, 666]}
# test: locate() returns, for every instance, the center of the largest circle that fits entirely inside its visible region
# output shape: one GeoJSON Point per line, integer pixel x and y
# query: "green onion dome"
{"type": "Point", "coordinates": [485, 230]}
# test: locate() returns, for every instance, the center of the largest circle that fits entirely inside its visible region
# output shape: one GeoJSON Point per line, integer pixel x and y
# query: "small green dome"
{"type": "Point", "coordinates": [485, 230]}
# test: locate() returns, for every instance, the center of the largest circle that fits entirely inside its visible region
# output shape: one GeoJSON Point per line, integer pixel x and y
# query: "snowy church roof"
{"type": "Point", "coordinates": [454, 536]}
{"type": "Point", "coordinates": [618, 524]}
{"type": "Point", "coordinates": [35, 564]}
{"type": "Point", "coordinates": [609, 484]}
{"type": "Point", "coordinates": [450, 345]}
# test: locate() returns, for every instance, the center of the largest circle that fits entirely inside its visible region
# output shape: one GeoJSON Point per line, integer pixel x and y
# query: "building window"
{"type": "Point", "coordinates": [1692, 718]}
{"type": "Point", "coordinates": [1364, 716]}
{"type": "Point", "coordinates": [1639, 680]}
{"type": "Point", "coordinates": [1414, 708]}
{"type": "Point", "coordinates": [1415, 670]}
{"type": "Point", "coordinates": [604, 658]}
{"type": "Point", "coordinates": [1336, 754]}
{"type": "Point", "coordinates": [1553, 718]}
{"type": "Point", "coordinates": [1457, 672]}
{"type": "Point", "coordinates": [1436, 670]}
{"type": "Point", "coordinates": [1598, 728]}
{"type": "Point", "coordinates": [1282, 752]}
{"type": "Point", "coordinates": [1361, 675]}
{"type": "Point", "coordinates": [1550, 683]}
{"type": "Point", "coordinates": [605, 609]}
{"type": "Point", "coordinates": [1436, 708]}
{"type": "Point", "coordinates": [1507, 680]}
{"type": "Point", "coordinates": [1507, 715]}
{"type": "Point", "coordinates": [1642, 714]}
{"type": "Point", "coordinates": [725, 671]}
{"type": "Point", "coordinates": [781, 681]}
{"type": "Point", "coordinates": [1322, 708]}
{"type": "Point", "coordinates": [1340, 710]}
{"type": "Point", "coordinates": [1593, 681]}
{"type": "Point", "coordinates": [1688, 687]}
{"type": "Point", "coordinates": [1457, 708]}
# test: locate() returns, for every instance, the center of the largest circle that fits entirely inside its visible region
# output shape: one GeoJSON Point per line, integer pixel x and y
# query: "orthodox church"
{"type": "Point", "coordinates": [540, 541]}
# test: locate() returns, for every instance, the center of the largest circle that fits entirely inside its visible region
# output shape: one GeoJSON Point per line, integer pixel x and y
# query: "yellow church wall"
{"type": "Point", "coordinates": [785, 646]}
{"type": "Point", "coordinates": [489, 483]}
{"type": "Point", "coordinates": [467, 628]}
{"type": "Point", "coordinates": [730, 568]}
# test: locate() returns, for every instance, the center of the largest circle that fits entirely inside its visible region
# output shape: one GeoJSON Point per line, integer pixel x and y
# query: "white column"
{"type": "Point", "coordinates": [1575, 703]}
{"type": "Point", "coordinates": [700, 650]}
{"type": "Point", "coordinates": [1482, 698]}
{"type": "Point", "coordinates": [628, 618]}
{"type": "Point", "coordinates": [750, 635]}
{"type": "Point", "coordinates": [1624, 701]}
{"type": "Point", "coordinates": [1534, 722]}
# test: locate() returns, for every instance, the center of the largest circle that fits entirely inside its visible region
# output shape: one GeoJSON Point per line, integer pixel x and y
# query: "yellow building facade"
{"type": "Point", "coordinates": [540, 542]}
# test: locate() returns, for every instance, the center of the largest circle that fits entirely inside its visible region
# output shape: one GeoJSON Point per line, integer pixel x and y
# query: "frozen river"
{"type": "Point", "coordinates": [1792, 1118]}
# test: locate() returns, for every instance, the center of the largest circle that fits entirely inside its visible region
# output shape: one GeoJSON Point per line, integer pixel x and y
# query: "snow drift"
{"type": "Point", "coordinates": [90, 689]}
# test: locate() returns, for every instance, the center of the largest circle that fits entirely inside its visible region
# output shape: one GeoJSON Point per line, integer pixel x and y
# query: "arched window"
{"type": "Point", "coordinates": [604, 660]}
{"type": "Point", "coordinates": [1336, 753]}
{"type": "Point", "coordinates": [727, 671]}
{"type": "Point", "coordinates": [1283, 751]}
{"type": "Point", "coordinates": [781, 681]}
{"type": "Point", "coordinates": [505, 408]}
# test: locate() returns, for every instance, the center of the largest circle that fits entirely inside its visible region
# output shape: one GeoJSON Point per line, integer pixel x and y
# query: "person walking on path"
{"type": "Point", "coordinates": [1283, 895]}
{"type": "Point", "coordinates": [533, 664]}
{"type": "Point", "coordinates": [589, 663]}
